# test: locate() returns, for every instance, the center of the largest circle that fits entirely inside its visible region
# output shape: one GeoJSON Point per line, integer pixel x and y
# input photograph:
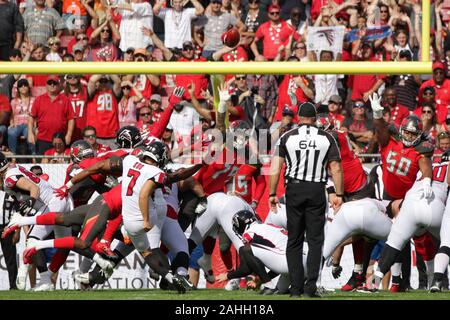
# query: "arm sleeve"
{"type": "Point", "coordinates": [158, 129]}
{"type": "Point", "coordinates": [260, 187]}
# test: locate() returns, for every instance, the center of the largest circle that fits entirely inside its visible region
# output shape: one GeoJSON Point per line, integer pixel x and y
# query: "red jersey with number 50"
{"type": "Point", "coordinates": [78, 101]}
{"type": "Point", "coordinates": [216, 175]}
{"type": "Point", "coordinates": [103, 114]}
{"type": "Point", "coordinates": [354, 176]}
{"type": "Point", "coordinates": [400, 166]}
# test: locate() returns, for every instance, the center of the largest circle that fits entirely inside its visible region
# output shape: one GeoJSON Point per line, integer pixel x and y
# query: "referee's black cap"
{"type": "Point", "coordinates": [307, 110]}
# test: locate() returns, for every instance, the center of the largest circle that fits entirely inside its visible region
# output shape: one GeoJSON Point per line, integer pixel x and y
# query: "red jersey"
{"type": "Point", "coordinates": [338, 120]}
{"type": "Point", "coordinates": [400, 165]}
{"type": "Point", "coordinates": [354, 176]}
{"type": "Point", "coordinates": [288, 86]}
{"type": "Point", "coordinates": [78, 101]}
{"type": "Point", "coordinates": [103, 114]}
{"type": "Point", "coordinates": [113, 199]}
{"type": "Point", "coordinates": [398, 114]}
{"type": "Point", "coordinates": [273, 37]}
{"type": "Point", "coordinates": [242, 183]}
{"type": "Point", "coordinates": [216, 175]}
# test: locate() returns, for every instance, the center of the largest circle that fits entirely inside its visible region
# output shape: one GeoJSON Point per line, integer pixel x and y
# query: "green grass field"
{"type": "Point", "coordinates": [207, 294]}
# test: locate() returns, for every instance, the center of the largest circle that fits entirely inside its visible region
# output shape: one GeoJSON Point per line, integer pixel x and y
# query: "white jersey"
{"type": "Point", "coordinates": [267, 236]}
{"type": "Point", "coordinates": [15, 172]}
{"type": "Point", "coordinates": [135, 175]}
{"type": "Point", "coordinates": [439, 184]}
{"type": "Point", "coordinates": [171, 196]}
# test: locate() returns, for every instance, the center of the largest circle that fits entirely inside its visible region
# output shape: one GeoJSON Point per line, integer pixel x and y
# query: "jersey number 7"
{"type": "Point", "coordinates": [134, 174]}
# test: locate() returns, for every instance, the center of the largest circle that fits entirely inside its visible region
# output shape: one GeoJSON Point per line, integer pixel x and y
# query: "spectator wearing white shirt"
{"type": "Point", "coordinates": [325, 84]}
{"type": "Point", "coordinates": [183, 119]}
{"type": "Point", "coordinates": [177, 21]}
{"type": "Point", "coordinates": [135, 15]}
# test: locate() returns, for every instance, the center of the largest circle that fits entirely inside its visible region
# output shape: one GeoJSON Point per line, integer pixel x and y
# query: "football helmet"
{"type": "Point", "coordinates": [80, 150]}
{"type": "Point", "coordinates": [241, 133]}
{"type": "Point", "coordinates": [156, 151]}
{"type": "Point", "coordinates": [324, 122]}
{"type": "Point", "coordinates": [445, 156]}
{"type": "Point", "coordinates": [128, 137]}
{"type": "Point", "coordinates": [242, 220]}
{"type": "Point", "coordinates": [411, 130]}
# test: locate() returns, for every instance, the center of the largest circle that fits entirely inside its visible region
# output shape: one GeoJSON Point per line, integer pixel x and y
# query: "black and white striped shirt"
{"type": "Point", "coordinates": [307, 151]}
{"type": "Point", "coordinates": [6, 208]}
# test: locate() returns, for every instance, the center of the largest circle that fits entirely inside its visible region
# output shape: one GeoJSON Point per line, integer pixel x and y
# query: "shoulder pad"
{"type": "Point", "coordinates": [424, 147]}
{"type": "Point", "coordinates": [334, 134]}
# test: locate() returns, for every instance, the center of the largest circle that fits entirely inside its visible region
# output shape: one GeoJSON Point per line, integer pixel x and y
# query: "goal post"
{"type": "Point", "coordinates": [342, 67]}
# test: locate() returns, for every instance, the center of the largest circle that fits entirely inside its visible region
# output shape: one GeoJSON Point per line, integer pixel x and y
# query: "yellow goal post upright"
{"type": "Point", "coordinates": [357, 67]}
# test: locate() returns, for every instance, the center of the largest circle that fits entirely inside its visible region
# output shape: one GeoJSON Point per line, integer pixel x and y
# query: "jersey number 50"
{"type": "Point", "coordinates": [400, 167]}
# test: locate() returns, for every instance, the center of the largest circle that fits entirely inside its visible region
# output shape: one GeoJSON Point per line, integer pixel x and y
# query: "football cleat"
{"type": "Point", "coordinates": [395, 287]}
{"type": "Point", "coordinates": [185, 282]}
{"type": "Point", "coordinates": [205, 263]}
{"type": "Point", "coordinates": [355, 281]}
{"type": "Point", "coordinates": [178, 283]}
{"type": "Point", "coordinates": [44, 287]}
{"type": "Point", "coordinates": [232, 284]}
{"type": "Point", "coordinates": [22, 274]}
{"type": "Point", "coordinates": [81, 278]}
{"type": "Point", "coordinates": [103, 247]}
{"type": "Point", "coordinates": [436, 286]}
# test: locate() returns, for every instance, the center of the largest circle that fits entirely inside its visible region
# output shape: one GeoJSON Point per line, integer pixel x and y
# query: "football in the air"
{"type": "Point", "coordinates": [231, 37]}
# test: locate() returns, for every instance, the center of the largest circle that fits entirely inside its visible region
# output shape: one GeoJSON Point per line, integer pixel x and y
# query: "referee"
{"type": "Point", "coordinates": [308, 153]}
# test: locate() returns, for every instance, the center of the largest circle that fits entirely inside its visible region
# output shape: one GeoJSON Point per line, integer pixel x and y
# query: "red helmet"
{"type": "Point", "coordinates": [324, 122]}
{"type": "Point", "coordinates": [411, 130]}
{"type": "Point", "coordinates": [241, 133]}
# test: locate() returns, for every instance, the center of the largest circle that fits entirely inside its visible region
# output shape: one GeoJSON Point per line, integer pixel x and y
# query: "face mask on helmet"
{"type": "Point", "coordinates": [410, 131]}
{"type": "Point", "coordinates": [157, 152]}
{"type": "Point", "coordinates": [81, 150]}
{"type": "Point", "coordinates": [242, 220]}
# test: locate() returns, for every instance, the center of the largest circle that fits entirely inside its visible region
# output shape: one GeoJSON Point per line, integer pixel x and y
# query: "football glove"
{"type": "Point", "coordinates": [336, 271]}
{"type": "Point", "coordinates": [201, 206]}
{"type": "Point", "coordinates": [26, 207]}
{"type": "Point", "coordinates": [376, 106]}
{"type": "Point", "coordinates": [176, 96]}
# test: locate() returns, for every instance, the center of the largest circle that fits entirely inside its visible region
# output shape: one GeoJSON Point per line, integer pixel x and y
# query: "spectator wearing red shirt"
{"type": "Point", "coordinates": [155, 105]}
{"type": "Point", "coordinates": [76, 92]}
{"type": "Point", "coordinates": [441, 87]}
{"type": "Point", "coordinates": [144, 118]}
{"type": "Point", "coordinates": [5, 115]}
{"type": "Point", "coordinates": [90, 135]}
{"type": "Point", "coordinates": [103, 109]}
{"type": "Point", "coordinates": [59, 149]}
{"type": "Point", "coordinates": [364, 85]}
{"type": "Point", "coordinates": [358, 124]}
{"type": "Point", "coordinates": [51, 112]}
{"type": "Point", "coordinates": [104, 41]}
{"type": "Point", "coordinates": [334, 111]}
{"type": "Point", "coordinates": [398, 112]}
{"type": "Point", "coordinates": [274, 33]}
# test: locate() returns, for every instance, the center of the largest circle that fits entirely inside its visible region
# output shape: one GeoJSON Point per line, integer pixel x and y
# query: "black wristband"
{"type": "Point", "coordinates": [339, 195]}
{"type": "Point", "coordinates": [331, 190]}
{"type": "Point", "coordinates": [272, 195]}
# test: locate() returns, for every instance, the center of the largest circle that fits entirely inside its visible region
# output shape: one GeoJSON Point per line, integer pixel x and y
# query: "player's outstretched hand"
{"type": "Point", "coordinates": [176, 96]}
{"type": "Point", "coordinates": [224, 93]}
{"type": "Point", "coordinates": [26, 207]}
{"type": "Point", "coordinates": [147, 226]}
{"type": "Point", "coordinates": [61, 192]}
{"type": "Point", "coordinates": [222, 277]}
{"type": "Point", "coordinates": [375, 103]}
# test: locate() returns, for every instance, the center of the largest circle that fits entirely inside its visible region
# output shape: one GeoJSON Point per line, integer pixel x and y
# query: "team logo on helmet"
{"type": "Point", "coordinates": [128, 137]}
{"type": "Point", "coordinates": [157, 151]}
{"type": "Point", "coordinates": [241, 131]}
{"type": "Point", "coordinates": [242, 220]}
{"type": "Point", "coordinates": [81, 150]}
{"type": "Point", "coordinates": [411, 130]}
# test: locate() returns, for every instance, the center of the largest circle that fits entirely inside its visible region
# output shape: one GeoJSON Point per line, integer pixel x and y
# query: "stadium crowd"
{"type": "Point", "coordinates": [45, 115]}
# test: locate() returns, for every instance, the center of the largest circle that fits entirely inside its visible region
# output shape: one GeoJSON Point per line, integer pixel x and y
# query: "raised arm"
{"type": "Point", "coordinates": [381, 127]}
